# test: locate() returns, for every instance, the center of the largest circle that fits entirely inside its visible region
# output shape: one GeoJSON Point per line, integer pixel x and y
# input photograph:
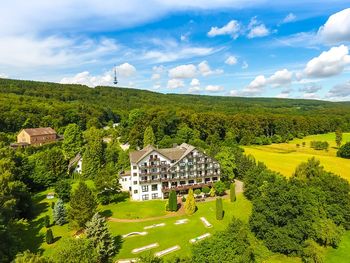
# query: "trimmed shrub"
{"type": "Point", "coordinates": [219, 209]}
{"type": "Point", "coordinates": [233, 192]}
{"type": "Point", "coordinates": [49, 236]}
{"type": "Point", "coordinates": [344, 151]}
{"type": "Point", "coordinates": [172, 201]}
{"type": "Point", "coordinates": [183, 199]}
{"type": "Point", "coordinates": [190, 205]}
{"type": "Point", "coordinates": [197, 191]}
{"type": "Point", "coordinates": [206, 190]}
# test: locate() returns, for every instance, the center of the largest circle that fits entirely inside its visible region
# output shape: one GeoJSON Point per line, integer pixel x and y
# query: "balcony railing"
{"type": "Point", "coordinates": [186, 187]}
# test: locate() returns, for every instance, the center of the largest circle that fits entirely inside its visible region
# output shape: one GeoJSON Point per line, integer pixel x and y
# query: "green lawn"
{"type": "Point", "coordinates": [171, 235]}
{"type": "Point", "coordinates": [134, 210]}
{"type": "Point", "coordinates": [285, 157]}
{"type": "Point", "coordinates": [341, 254]}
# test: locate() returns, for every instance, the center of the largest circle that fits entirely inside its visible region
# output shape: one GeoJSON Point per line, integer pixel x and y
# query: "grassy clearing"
{"type": "Point", "coordinates": [171, 234]}
{"type": "Point", "coordinates": [285, 157]}
{"type": "Point", "coordinates": [341, 254]}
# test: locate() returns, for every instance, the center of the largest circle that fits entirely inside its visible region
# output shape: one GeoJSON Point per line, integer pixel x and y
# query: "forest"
{"type": "Point", "coordinates": [298, 216]}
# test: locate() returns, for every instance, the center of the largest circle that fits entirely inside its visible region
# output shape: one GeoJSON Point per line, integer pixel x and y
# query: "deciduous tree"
{"type": "Point", "coordinates": [148, 137]}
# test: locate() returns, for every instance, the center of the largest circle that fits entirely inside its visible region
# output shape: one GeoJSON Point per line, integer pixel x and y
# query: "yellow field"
{"type": "Point", "coordinates": [285, 157]}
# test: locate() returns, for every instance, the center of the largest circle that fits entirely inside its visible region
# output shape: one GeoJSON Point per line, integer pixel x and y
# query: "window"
{"type": "Point", "coordinates": [135, 182]}
{"type": "Point", "coordinates": [199, 181]}
{"type": "Point", "coordinates": [145, 188]}
{"type": "Point", "coordinates": [155, 196]}
{"type": "Point", "coordinates": [134, 174]}
{"type": "Point", "coordinates": [134, 167]}
{"type": "Point", "coordinates": [145, 197]}
{"type": "Point", "coordinates": [182, 182]}
{"type": "Point", "coordinates": [135, 191]}
{"type": "Point", "coordinates": [154, 188]}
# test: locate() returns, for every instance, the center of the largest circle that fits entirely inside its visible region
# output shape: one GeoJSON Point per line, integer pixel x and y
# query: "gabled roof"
{"type": "Point", "coordinates": [74, 160]}
{"type": "Point", "coordinates": [176, 153]}
{"type": "Point", "coordinates": [40, 131]}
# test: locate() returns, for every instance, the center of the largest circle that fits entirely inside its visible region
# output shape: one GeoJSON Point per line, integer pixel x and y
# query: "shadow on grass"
{"type": "Point", "coordinates": [56, 239]}
{"type": "Point", "coordinates": [106, 213]}
{"type": "Point", "coordinates": [118, 241]}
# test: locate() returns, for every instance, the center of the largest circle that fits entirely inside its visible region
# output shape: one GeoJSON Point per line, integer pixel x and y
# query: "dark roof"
{"type": "Point", "coordinates": [40, 131]}
{"type": "Point", "coordinates": [176, 153]}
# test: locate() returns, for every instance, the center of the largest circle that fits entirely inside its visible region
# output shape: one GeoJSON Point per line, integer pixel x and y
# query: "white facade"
{"type": "Point", "coordinates": [154, 172]}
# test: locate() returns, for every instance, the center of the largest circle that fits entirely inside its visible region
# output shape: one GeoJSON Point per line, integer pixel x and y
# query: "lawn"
{"type": "Point", "coordinates": [285, 157]}
{"type": "Point", "coordinates": [341, 254]}
{"type": "Point", "coordinates": [171, 234]}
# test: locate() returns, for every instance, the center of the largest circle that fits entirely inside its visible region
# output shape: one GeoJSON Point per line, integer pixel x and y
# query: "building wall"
{"type": "Point", "coordinates": [125, 182]}
{"type": "Point", "coordinates": [23, 137]}
{"type": "Point", "coordinates": [194, 170]}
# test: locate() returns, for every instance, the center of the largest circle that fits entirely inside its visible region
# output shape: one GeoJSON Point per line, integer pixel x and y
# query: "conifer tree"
{"type": "Point", "coordinates": [148, 137]}
{"type": "Point", "coordinates": [49, 236]}
{"type": "Point", "coordinates": [59, 213]}
{"type": "Point", "coordinates": [82, 206]}
{"type": "Point", "coordinates": [212, 192]}
{"type": "Point", "coordinates": [172, 201]}
{"type": "Point", "coordinates": [97, 231]}
{"type": "Point", "coordinates": [219, 209]}
{"type": "Point", "coordinates": [47, 221]}
{"type": "Point", "coordinates": [190, 204]}
{"type": "Point", "coordinates": [233, 192]}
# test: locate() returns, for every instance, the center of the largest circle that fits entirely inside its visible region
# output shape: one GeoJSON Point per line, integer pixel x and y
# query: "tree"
{"type": "Point", "coordinates": [93, 154]}
{"type": "Point", "coordinates": [307, 170]}
{"type": "Point", "coordinates": [74, 250]}
{"type": "Point", "coordinates": [338, 137]}
{"type": "Point", "coordinates": [235, 244]}
{"type": "Point", "coordinates": [82, 206]}
{"type": "Point", "coordinates": [59, 213]}
{"type": "Point", "coordinates": [97, 231]}
{"type": "Point", "coordinates": [47, 221]}
{"type": "Point", "coordinates": [219, 188]}
{"type": "Point", "coordinates": [49, 167]}
{"type": "Point", "coordinates": [344, 151]}
{"type": "Point", "coordinates": [107, 186]}
{"type": "Point", "coordinates": [233, 192]}
{"type": "Point", "coordinates": [172, 201]}
{"type": "Point", "coordinates": [212, 192]}
{"type": "Point", "coordinates": [148, 137]}
{"type": "Point", "coordinates": [73, 140]}
{"type": "Point", "coordinates": [312, 252]}
{"type": "Point", "coordinates": [197, 191]}
{"type": "Point", "coordinates": [219, 209]}
{"type": "Point", "coordinates": [63, 189]}
{"type": "Point", "coordinates": [49, 236]}
{"type": "Point", "coordinates": [206, 190]}
{"type": "Point", "coordinates": [190, 204]}
{"type": "Point", "coordinates": [28, 257]}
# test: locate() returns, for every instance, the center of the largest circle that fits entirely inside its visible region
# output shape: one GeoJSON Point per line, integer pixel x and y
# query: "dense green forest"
{"type": "Point", "coordinates": [33, 104]}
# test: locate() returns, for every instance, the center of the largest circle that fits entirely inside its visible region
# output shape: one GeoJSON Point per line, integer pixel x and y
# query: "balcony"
{"type": "Point", "coordinates": [186, 187]}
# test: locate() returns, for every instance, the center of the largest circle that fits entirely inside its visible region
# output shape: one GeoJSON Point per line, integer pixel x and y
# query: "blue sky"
{"type": "Point", "coordinates": [294, 49]}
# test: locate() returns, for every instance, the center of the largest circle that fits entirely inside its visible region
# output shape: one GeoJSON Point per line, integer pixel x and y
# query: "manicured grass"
{"type": "Point", "coordinates": [134, 210]}
{"type": "Point", "coordinates": [285, 157]}
{"type": "Point", "coordinates": [171, 235]}
{"type": "Point", "coordinates": [341, 254]}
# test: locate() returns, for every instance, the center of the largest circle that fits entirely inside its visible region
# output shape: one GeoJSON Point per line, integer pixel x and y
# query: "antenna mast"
{"type": "Point", "coordinates": [115, 81]}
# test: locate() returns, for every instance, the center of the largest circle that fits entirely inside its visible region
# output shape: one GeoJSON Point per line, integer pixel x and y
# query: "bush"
{"type": "Point", "coordinates": [344, 151]}
{"type": "Point", "coordinates": [190, 205]}
{"type": "Point", "coordinates": [219, 209]}
{"type": "Point", "coordinates": [47, 221]}
{"type": "Point", "coordinates": [206, 190]}
{"type": "Point", "coordinates": [197, 191]}
{"type": "Point", "coordinates": [167, 206]}
{"type": "Point", "coordinates": [49, 236]}
{"type": "Point", "coordinates": [183, 199]}
{"type": "Point", "coordinates": [318, 145]}
{"type": "Point", "coordinates": [172, 201]}
{"type": "Point", "coordinates": [212, 192]}
{"type": "Point", "coordinates": [233, 192]}
{"type": "Point", "coordinates": [219, 188]}
{"type": "Point", "coordinates": [63, 189]}
{"type": "Point", "coordinates": [276, 138]}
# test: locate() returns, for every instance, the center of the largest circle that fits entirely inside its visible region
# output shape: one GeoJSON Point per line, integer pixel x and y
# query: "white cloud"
{"type": "Point", "coordinates": [85, 78]}
{"type": "Point", "coordinates": [311, 88]}
{"type": "Point", "coordinates": [289, 18]}
{"type": "Point", "coordinates": [175, 83]}
{"type": "Point", "coordinates": [155, 76]}
{"type": "Point", "coordinates": [337, 27]}
{"type": "Point", "coordinates": [257, 29]}
{"type": "Point", "coordinates": [329, 63]}
{"type": "Point", "coordinates": [4, 76]}
{"type": "Point", "coordinates": [183, 72]}
{"type": "Point", "coordinates": [30, 51]}
{"type": "Point", "coordinates": [245, 65]}
{"type": "Point", "coordinates": [256, 86]}
{"type": "Point", "coordinates": [281, 78]}
{"type": "Point", "coordinates": [232, 28]}
{"type": "Point", "coordinates": [158, 69]}
{"type": "Point", "coordinates": [205, 70]}
{"type": "Point", "coordinates": [340, 90]}
{"type": "Point", "coordinates": [234, 93]}
{"type": "Point", "coordinates": [173, 54]}
{"type": "Point", "coordinates": [214, 88]}
{"type": "Point", "coordinates": [126, 70]}
{"type": "Point", "coordinates": [195, 82]}
{"type": "Point", "coordinates": [231, 60]}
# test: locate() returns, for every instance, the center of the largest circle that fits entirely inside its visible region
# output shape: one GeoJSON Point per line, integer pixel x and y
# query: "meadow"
{"type": "Point", "coordinates": [285, 157]}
